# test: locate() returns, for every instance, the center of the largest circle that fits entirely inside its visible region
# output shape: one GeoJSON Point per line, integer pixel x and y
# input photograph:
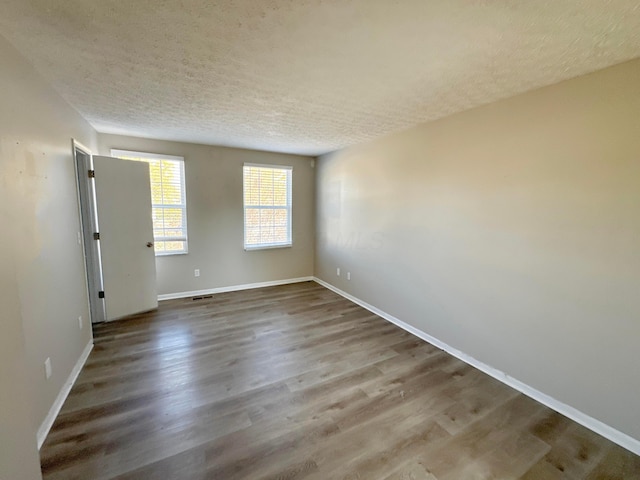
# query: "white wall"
{"type": "Point", "coordinates": [510, 232]}
{"type": "Point", "coordinates": [38, 179]}
{"type": "Point", "coordinates": [215, 218]}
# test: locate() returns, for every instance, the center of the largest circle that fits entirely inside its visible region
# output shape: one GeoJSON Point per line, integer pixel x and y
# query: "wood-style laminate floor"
{"type": "Point", "coordinates": [296, 382]}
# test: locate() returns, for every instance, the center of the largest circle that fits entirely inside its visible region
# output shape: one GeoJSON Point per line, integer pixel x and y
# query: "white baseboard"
{"type": "Point", "coordinates": [233, 288]}
{"type": "Point", "coordinates": [591, 423]}
{"type": "Point", "coordinates": [46, 425]}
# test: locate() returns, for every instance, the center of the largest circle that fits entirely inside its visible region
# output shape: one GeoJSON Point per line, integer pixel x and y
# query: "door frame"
{"type": "Point", "coordinates": [89, 225]}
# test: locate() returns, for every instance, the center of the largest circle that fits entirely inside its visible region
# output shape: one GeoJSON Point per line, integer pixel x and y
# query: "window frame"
{"type": "Point", "coordinates": [148, 157]}
{"type": "Point", "coordinates": [289, 207]}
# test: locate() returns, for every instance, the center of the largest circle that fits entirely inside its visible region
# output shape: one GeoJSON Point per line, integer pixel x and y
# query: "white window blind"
{"type": "Point", "coordinates": [168, 200]}
{"type": "Point", "coordinates": [267, 206]}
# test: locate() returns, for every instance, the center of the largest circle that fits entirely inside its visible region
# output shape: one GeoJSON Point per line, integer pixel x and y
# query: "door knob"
{"type": "Point", "coordinates": [149, 244]}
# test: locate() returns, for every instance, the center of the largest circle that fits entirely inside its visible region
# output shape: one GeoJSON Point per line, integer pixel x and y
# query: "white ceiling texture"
{"type": "Point", "coordinates": [306, 76]}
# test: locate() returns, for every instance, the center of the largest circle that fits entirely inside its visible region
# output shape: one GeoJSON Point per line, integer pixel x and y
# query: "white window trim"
{"type": "Point", "coordinates": [153, 156]}
{"type": "Point", "coordinates": [289, 209]}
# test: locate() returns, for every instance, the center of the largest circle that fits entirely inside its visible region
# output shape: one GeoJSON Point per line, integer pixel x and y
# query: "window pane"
{"type": "Point", "coordinates": [267, 203]}
{"type": "Point", "coordinates": [172, 217]}
{"type": "Point", "coordinates": [253, 235]}
{"type": "Point", "coordinates": [156, 184]}
{"type": "Point", "coordinates": [168, 198]}
{"type": "Point", "coordinates": [280, 216]}
{"type": "Point", "coordinates": [266, 218]}
{"type": "Point", "coordinates": [174, 246]}
{"type": "Point", "coordinates": [171, 183]}
{"type": "Point", "coordinates": [280, 234]}
{"type": "Point", "coordinates": [158, 219]}
{"type": "Point", "coordinates": [252, 218]}
{"type": "Point", "coordinates": [252, 188]}
{"type": "Point", "coordinates": [266, 187]}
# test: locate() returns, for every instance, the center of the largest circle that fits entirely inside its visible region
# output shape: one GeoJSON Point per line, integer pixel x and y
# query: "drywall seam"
{"type": "Point", "coordinates": [46, 425]}
{"type": "Point", "coordinates": [233, 288]}
{"type": "Point", "coordinates": [583, 419]}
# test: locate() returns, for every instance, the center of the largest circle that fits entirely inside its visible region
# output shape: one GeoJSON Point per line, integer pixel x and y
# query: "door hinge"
{"type": "Point", "coordinates": [101, 294]}
{"type": "Point", "coordinates": [92, 173]}
{"type": "Point", "coordinates": [96, 236]}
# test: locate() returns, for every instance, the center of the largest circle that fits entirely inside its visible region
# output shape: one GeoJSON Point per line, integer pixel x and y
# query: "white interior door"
{"type": "Point", "coordinates": [123, 198]}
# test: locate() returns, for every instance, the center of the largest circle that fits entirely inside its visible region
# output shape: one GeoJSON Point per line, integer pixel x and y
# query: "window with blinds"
{"type": "Point", "coordinates": [168, 200]}
{"type": "Point", "coordinates": [267, 206]}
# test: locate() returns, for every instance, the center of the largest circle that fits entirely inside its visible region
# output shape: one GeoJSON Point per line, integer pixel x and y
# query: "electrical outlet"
{"type": "Point", "coordinates": [47, 368]}
{"type": "Point", "coordinates": [196, 272]}
{"type": "Point", "coordinates": [79, 238]}
{"type": "Point", "coordinates": [80, 322]}
{"type": "Point", "coordinates": [348, 275]}
{"type": "Point", "coordinates": [338, 271]}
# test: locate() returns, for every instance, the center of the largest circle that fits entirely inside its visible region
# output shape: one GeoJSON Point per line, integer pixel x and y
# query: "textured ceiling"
{"type": "Point", "coordinates": [306, 76]}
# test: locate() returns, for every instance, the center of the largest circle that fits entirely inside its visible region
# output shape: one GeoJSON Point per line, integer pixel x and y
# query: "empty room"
{"type": "Point", "coordinates": [320, 239]}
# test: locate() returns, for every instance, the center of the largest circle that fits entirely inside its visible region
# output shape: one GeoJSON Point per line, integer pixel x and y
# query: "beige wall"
{"type": "Point", "coordinates": [215, 218]}
{"type": "Point", "coordinates": [510, 232]}
{"type": "Point", "coordinates": [38, 179]}
{"type": "Point", "coordinates": [18, 450]}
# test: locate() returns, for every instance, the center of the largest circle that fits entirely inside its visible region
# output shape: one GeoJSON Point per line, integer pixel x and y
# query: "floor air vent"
{"type": "Point", "coordinates": [202, 297]}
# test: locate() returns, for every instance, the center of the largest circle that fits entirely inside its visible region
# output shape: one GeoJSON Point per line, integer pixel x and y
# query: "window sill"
{"type": "Point", "coordinates": [267, 247]}
{"type": "Point", "coordinates": [170, 254]}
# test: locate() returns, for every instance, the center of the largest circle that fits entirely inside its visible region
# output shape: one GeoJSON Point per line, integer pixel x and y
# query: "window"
{"type": "Point", "coordinates": [168, 200]}
{"type": "Point", "coordinates": [267, 206]}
